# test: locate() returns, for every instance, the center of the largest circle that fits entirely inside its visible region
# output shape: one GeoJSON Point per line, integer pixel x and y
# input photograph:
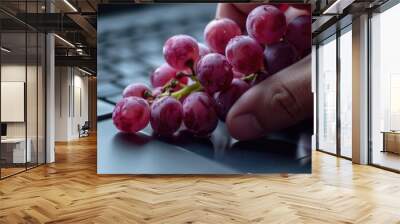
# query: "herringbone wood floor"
{"type": "Point", "coordinates": [69, 191]}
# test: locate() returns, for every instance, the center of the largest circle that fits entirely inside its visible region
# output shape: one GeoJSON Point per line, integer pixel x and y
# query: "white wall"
{"type": "Point", "coordinates": [61, 103]}
{"type": "Point", "coordinates": [70, 83]}
{"type": "Point", "coordinates": [80, 100]}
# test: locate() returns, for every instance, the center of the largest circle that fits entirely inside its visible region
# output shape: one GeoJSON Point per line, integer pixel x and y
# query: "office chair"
{"type": "Point", "coordinates": [84, 130]}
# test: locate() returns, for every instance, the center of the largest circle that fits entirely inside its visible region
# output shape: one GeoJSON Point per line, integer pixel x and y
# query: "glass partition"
{"type": "Point", "coordinates": [22, 77]}
{"type": "Point", "coordinates": [14, 153]}
{"type": "Point", "coordinates": [32, 100]}
{"type": "Point", "coordinates": [41, 97]}
{"type": "Point", "coordinates": [32, 97]}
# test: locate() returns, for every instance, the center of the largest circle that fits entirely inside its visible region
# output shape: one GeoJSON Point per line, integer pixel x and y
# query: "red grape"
{"type": "Point", "coordinates": [166, 115]}
{"type": "Point", "coordinates": [292, 12]}
{"type": "Point", "coordinates": [131, 114]}
{"type": "Point", "coordinates": [218, 33]}
{"type": "Point", "coordinates": [136, 89]}
{"type": "Point", "coordinates": [306, 7]}
{"type": "Point", "coordinates": [284, 6]}
{"type": "Point", "coordinates": [181, 51]}
{"type": "Point", "coordinates": [245, 54]}
{"type": "Point", "coordinates": [156, 91]}
{"type": "Point", "coordinates": [279, 56]}
{"type": "Point", "coordinates": [199, 114]}
{"type": "Point", "coordinates": [226, 98]}
{"type": "Point", "coordinates": [299, 34]}
{"type": "Point", "coordinates": [266, 24]}
{"type": "Point", "coordinates": [163, 74]}
{"type": "Point", "coordinates": [203, 50]}
{"type": "Point", "coordinates": [214, 72]}
{"type": "Point", "coordinates": [237, 74]}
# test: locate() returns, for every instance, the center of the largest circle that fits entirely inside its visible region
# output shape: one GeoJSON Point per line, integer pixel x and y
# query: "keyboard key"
{"type": "Point", "coordinates": [107, 89]}
{"type": "Point", "coordinates": [129, 68]}
{"type": "Point", "coordinates": [114, 99]}
{"type": "Point", "coordinates": [134, 79]}
{"type": "Point", "coordinates": [104, 109]}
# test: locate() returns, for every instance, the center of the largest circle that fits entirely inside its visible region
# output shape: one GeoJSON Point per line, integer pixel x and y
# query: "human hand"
{"type": "Point", "coordinates": [279, 101]}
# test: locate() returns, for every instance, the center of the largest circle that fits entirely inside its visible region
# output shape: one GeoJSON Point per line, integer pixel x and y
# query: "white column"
{"type": "Point", "coordinates": [50, 93]}
{"type": "Point", "coordinates": [50, 110]}
{"type": "Point", "coordinates": [314, 91]}
{"type": "Point", "coordinates": [360, 90]}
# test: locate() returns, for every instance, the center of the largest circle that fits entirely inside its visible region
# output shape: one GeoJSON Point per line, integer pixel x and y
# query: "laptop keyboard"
{"type": "Point", "coordinates": [130, 45]}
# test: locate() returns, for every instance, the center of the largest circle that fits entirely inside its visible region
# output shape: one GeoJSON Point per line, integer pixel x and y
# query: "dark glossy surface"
{"type": "Point", "coordinates": [142, 153]}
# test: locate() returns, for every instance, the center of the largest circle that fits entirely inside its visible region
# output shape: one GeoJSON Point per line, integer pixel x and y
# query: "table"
{"type": "Point", "coordinates": [391, 141]}
{"type": "Point", "coordinates": [17, 151]}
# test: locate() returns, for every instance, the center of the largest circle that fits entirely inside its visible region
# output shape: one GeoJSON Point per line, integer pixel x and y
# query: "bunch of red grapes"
{"type": "Point", "coordinates": [199, 83]}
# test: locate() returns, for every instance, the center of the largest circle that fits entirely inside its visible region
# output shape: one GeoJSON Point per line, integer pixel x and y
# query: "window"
{"type": "Point", "coordinates": [327, 95]}
{"type": "Point", "coordinates": [385, 89]}
{"type": "Point", "coordinates": [346, 92]}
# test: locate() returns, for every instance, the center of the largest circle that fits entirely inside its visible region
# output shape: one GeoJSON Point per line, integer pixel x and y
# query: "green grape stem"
{"type": "Point", "coordinates": [148, 95]}
{"type": "Point", "coordinates": [169, 85]}
{"type": "Point", "coordinates": [250, 77]}
{"type": "Point", "coordinates": [187, 89]}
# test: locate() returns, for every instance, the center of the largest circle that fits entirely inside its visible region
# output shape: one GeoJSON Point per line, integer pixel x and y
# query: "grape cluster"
{"type": "Point", "coordinates": [199, 83]}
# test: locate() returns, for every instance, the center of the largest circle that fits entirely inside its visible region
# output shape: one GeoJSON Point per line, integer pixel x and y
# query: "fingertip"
{"type": "Point", "coordinates": [241, 120]}
{"type": "Point", "coordinates": [244, 127]}
{"type": "Point", "coordinates": [229, 10]}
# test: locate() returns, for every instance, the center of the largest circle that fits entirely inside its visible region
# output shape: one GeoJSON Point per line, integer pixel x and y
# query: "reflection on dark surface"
{"type": "Point", "coordinates": [271, 154]}
{"type": "Point", "coordinates": [134, 139]}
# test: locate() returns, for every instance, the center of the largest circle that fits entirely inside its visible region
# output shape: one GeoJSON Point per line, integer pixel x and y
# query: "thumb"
{"type": "Point", "coordinates": [280, 101]}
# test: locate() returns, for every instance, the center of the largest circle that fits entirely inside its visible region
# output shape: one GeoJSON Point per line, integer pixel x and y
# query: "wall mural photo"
{"type": "Point", "coordinates": [205, 88]}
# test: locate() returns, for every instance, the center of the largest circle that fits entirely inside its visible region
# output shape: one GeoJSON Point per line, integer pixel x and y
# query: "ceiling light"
{"type": "Point", "coordinates": [79, 51]}
{"type": "Point", "coordinates": [70, 5]}
{"type": "Point", "coordinates": [338, 6]}
{"type": "Point", "coordinates": [65, 41]}
{"type": "Point", "coordinates": [84, 71]}
{"type": "Point", "coordinates": [5, 50]}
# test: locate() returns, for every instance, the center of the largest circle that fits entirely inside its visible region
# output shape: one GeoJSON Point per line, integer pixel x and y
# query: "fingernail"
{"type": "Point", "coordinates": [246, 126]}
